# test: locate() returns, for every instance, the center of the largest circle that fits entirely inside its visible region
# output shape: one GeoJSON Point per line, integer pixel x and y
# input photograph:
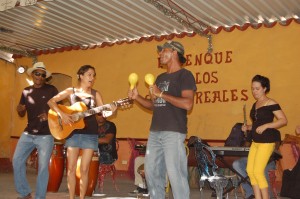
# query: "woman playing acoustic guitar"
{"type": "Point", "coordinates": [85, 138]}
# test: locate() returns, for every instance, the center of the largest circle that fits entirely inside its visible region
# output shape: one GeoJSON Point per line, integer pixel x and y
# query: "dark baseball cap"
{"type": "Point", "coordinates": [175, 46]}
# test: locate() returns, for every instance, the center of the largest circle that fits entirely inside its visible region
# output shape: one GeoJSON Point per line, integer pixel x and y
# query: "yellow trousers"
{"type": "Point", "coordinates": [258, 158]}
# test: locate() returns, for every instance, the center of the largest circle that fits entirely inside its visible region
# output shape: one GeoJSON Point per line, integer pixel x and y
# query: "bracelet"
{"type": "Point", "coordinates": [160, 95]}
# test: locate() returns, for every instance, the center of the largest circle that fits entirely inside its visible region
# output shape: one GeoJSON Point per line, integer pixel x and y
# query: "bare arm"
{"type": "Point", "coordinates": [186, 101]}
{"type": "Point", "coordinates": [21, 109]}
{"type": "Point", "coordinates": [133, 94]}
{"type": "Point", "coordinates": [106, 139]}
{"type": "Point", "coordinates": [66, 118]}
{"type": "Point", "coordinates": [99, 99]}
{"type": "Point", "coordinates": [280, 121]}
{"type": "Point", "coordinates": [148, 104]}
{"type": "Point", "coordinates": [280, 116]}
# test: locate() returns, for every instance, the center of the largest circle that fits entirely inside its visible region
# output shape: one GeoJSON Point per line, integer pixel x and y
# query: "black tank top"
{"type": "Point", "coordinates": [91, 125]}
{"type": "Point", "coordinates": [262, 116]}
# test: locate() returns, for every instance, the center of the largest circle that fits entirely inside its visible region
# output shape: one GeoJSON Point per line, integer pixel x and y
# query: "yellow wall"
{"type": "Point", "coordinates": [7, 82]}
{"type": "Point", "coordinates": [272, 52]}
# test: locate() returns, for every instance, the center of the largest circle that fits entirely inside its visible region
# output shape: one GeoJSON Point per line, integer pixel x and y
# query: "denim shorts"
{"type": "Point", "coordinates": [83, 141]}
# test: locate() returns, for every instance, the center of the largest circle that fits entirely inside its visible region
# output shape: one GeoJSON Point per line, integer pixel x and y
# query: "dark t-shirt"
{"type": "Point", "coordinates": [35, 100]}
{"type": "Point", "coordinates": [262, 116]}
{"type": "Point", "coordinates": [89, 121]}
{"type": "Point", "coordinates": [167, 117]}
{"type": "Point", "coordinates": [108, 152]}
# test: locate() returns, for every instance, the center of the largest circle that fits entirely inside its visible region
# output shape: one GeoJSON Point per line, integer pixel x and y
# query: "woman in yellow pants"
{"type": "Point", "coordinates": [264, 134]}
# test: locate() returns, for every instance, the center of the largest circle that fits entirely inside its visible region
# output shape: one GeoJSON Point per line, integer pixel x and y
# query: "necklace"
{"type": "Point", "coordinates": [255, 115]}
{"type": "Point", "coordinates": [260, 104]}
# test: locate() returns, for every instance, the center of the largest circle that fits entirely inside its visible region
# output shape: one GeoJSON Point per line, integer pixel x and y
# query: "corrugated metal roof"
{"type": "Point", "coordinates": [57, 24]}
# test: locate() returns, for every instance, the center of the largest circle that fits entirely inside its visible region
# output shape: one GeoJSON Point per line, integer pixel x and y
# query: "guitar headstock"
{"type": "Point", "coordinates": [123, 103]}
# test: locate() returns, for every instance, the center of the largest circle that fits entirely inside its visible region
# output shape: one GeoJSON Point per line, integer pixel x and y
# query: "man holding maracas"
{"type": "Point", "coordinates": [172, 95]}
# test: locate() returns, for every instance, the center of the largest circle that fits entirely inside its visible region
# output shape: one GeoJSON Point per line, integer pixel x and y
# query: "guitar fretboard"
{"type": "Point", "coordinates": [94, 111]}
{"type": "Point", "coordinates": [99, 109]}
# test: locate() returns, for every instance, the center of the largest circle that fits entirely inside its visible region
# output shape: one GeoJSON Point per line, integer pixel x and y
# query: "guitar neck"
{"type": "Point", "coordinates": [92, 111]}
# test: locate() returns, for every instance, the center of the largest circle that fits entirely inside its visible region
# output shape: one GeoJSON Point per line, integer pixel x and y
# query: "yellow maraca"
{"type": "Point", "coordinates": [149, 79]}
{"type": "Point", "coordinates": [133, 78]}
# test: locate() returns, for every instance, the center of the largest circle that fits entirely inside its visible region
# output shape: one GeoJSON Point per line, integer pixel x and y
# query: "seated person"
{"type": "Point", "coordinates": [139, 178]}
{"type": "Point", "coordinates": [106, 140]}
{"type": "Point", "coordinates": [240, 166]}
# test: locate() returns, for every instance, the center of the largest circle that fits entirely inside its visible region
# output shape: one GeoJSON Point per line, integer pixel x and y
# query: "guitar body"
{"type": "Point", "coordinates": [57, 128]}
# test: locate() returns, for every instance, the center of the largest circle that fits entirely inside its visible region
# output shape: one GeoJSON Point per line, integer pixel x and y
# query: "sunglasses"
{"type": "Point", "coordinates": [40, 74]}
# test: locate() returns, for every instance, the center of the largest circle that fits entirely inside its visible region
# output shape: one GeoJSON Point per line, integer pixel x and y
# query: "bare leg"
{"type": "Point", "coordinates": [72, 156]}
{"type": "Point", "coordinates": [87, 155]}
{"type": "Point", "coordinates": [265, 193]}
{"type": "Point", "coordinates": [257, 192]}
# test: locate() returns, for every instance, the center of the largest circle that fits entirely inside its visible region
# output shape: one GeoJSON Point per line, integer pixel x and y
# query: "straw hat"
{"type": "Point", "coordinates": [39, 66]}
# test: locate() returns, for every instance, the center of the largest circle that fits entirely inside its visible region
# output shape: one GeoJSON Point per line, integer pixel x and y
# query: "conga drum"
{"type": "Point", "coordinates": [56, 167]}
{"type": "Point", "coordinates": [93, 174]}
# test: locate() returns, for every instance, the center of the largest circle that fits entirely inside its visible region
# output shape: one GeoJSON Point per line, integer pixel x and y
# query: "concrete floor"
{"type": "Point", "coordinates": [124, 183]}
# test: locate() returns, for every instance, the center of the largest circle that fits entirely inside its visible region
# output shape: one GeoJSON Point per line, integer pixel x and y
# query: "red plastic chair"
{"type": "Point", "coordinates": [107, 169]}
{"type": "Point", "coordinates": [103, 170]}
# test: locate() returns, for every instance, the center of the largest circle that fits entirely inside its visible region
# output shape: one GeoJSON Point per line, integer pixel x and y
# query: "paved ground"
{"type": "Point", "coordinates": [124, 183]}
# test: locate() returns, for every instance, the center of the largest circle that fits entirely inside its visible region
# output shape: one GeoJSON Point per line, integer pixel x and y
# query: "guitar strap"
{"type": "Point", "coordinates": [94, 95]}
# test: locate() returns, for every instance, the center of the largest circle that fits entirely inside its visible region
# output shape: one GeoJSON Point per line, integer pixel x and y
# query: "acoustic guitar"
{"type": "Point", "coordinates": [78, 111]}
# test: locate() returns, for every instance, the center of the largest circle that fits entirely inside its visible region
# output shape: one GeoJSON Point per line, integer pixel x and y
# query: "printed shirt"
{"type": "Point", "coordinates": [167, 117]}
